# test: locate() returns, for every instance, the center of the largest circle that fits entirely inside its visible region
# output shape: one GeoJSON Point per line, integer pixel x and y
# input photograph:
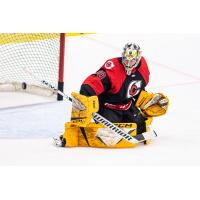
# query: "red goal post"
{"type": "Point", "coordinates": [61, 66]}
{"type": "Point", "coordinates": [41, 53]}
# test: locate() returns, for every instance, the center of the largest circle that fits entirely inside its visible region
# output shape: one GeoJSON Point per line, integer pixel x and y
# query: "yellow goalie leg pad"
{"type": "Point", "coordinates": [83, 117]}
{"type": "Point", "coordinates": [96, 135]}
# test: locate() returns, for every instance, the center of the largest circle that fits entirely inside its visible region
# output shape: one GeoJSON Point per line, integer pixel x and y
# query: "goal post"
{"type": "Point", "coordinates": [61, 66]}
{"type": "Point", "coordinates": [41, 53]}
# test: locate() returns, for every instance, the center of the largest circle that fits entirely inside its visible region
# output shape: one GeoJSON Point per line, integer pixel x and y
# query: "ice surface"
{"type": "Point", "coordinates": [173, 60]}
{"type": "Point", "coordinates": [36, 121]}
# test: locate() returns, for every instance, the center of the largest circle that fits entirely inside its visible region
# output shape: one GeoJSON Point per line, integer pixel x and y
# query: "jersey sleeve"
{"type": "Point", "coordinates": [86, 90]}
{"type": "Point", "coordinates": [96, 84]}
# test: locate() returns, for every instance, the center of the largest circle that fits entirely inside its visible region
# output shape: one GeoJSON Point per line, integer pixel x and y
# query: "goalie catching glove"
{"type": "Point", "coordinates": [83, 117]}
{"type": "Point", "coordinates": [152, 104]}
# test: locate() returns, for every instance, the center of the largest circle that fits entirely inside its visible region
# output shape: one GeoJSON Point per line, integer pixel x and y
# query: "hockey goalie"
{"type": "Point", "coordinates": [117, 93]}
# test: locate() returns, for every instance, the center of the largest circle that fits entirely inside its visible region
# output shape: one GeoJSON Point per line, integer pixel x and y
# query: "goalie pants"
{"type": "Point", "coordinates": [132, 115]}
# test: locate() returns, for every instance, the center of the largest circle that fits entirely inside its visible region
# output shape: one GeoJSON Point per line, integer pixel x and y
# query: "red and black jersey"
{"type": "Point", "coordinates": [112, 85]}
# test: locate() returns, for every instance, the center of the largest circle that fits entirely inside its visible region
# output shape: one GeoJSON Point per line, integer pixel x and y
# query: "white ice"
{"type": "Point", "coordinates": [26, 131]}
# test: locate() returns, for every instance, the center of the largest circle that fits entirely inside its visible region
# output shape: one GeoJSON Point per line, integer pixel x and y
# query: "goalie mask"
{"type": "Point", "coordinates": [131, 56]}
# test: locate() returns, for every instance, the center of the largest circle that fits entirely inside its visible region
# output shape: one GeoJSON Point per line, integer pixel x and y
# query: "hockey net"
{"type": "Point", "coordinates": [41, 53]}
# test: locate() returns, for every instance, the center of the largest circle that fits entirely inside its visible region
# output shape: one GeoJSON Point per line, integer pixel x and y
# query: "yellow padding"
{"type": "Point", "coordinates": [77, 136]}
{"type": "Point", "coordinates": [83, 117]}
{"type": "Point", "coordinates": [13, 38]}
{"type": "Point", "coordinates": [155, 109]}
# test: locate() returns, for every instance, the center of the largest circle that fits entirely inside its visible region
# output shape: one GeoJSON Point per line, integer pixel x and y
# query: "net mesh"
{"type": "Point", "coordinates": [37, 52]}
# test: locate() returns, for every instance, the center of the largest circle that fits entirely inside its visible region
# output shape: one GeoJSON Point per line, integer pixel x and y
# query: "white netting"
{"type": "Point", "coordinates": [37, 52]}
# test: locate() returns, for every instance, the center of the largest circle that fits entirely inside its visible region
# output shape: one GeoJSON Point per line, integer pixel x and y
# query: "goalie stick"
{"type": "Point", "coordinates": [132, 139]}
{"type": "Point", "coordinates": [96, 116]}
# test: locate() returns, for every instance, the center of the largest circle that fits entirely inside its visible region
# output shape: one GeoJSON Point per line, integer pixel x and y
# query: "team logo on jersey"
{"type": "Point", "coordinates": [109, 64]}
{"type": "Point", "coordinates": [134, 88]}
{"type": "Point", "coordinates": [101, 74]}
